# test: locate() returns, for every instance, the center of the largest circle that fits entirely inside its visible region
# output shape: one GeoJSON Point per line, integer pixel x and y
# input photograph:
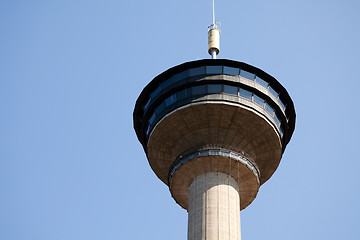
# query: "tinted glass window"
{"type": "Point", "coordinates": [277, 120]}
{"type": "Point", "coordinates": [180, 76]}
{"type": "Point", "coordinates": [281, 132]}
{"type": "Point", "coordinates": [214, 88]}
{"type": "Point", "coordinates": [273, 92]}
{"type": "Point", "coordinates": [199, 90]}
{"type": "Point", "coordinates": [183, 94]}
{"type": "Point", "coordinates": [167, 83]}
{"type": "Point", "coordinates": [151, 120]}
{"type": "Point", "coordinates": [282, 104]}
{"type": "Point", "coordinates": [213, 69]}
{"type": "Point", "coordinates": [231, 71]}
{"type": "Point", "coordinates": [147, 104]}
{"type": "Point", "coordinates": [170, 100]}
{"type": "Point", "coordinates": [160, 108]}
{"type": "Point", "coordinates": [148, 130]}
{"type": "Point", "coordinates": [261, 82]}
{"type": "Point", "coordinates": [231, 90]}
{"type": "Point", "coordinates": [245, 93]}
{"type": "Point", "coordinates": [258, 100]}
{"type": "Point", "coordinates": [154, 93]}
{"type": "Point", "coordinates": [247, 74]}
{"type": "Point", "coordinates": [197, 71]}
{"type": "Point", "coordinates": [269, 109]}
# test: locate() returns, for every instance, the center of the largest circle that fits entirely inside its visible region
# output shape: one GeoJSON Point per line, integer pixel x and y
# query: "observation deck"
{"type": "Point", "coordinates": [214, 115]}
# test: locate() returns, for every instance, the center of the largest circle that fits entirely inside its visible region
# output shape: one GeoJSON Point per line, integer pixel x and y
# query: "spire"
{"type": "Point", "coordinates": [214, 37]}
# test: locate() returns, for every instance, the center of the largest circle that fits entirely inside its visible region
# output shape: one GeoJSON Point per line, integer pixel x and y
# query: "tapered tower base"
{"type": "Point", "coordinates": [214, 208]}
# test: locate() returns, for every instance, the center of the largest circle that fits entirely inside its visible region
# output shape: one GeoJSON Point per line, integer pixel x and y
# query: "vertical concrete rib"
{"type": "Point", "coordinates": [214, 208]}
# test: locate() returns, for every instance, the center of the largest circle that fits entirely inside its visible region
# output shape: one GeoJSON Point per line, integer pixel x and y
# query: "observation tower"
{"type": "Point", "coordinates": [214, 130]}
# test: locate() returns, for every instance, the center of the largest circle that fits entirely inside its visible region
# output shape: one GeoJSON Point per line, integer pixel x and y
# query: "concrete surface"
{"type": "Point", "coordinates": [214, 212]}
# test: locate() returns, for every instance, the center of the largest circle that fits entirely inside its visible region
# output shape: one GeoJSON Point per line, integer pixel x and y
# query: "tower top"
{"type": "Point", "coordinates": [214, 37]}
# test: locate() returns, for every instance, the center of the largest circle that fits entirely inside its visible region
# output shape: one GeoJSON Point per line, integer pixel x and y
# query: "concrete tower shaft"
{"type": "Point", "coordinates": [214, 211]}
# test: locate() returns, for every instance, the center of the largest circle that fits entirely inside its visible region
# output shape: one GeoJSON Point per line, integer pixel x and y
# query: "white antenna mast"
{"type": "Point", "coordinates": [213, 12]}
{"type": "Point", "coordinates": [213, 37]}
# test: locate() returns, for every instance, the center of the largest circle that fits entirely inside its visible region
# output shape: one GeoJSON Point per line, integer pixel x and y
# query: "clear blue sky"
{"type": "Point", "coordinates": [71, 166]}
